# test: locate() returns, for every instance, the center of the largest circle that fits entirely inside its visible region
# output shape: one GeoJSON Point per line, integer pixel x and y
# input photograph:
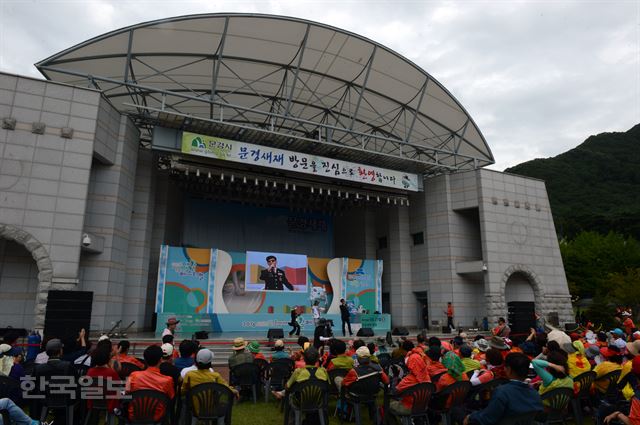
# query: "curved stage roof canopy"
{"type": "Point", "coordinates": [278, 81]}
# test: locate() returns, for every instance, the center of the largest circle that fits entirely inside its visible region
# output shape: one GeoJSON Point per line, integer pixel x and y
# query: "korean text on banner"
{"type": "Point", "coordinates": [247, 153]}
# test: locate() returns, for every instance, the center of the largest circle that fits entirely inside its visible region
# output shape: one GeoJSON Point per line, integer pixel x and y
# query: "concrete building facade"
{"type": "Point", "coordinates": [86, 199]}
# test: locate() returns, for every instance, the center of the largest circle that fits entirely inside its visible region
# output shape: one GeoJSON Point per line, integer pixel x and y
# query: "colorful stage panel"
{"type": "Point", "coordinates": [221, 291]}
{"type": "Point", "coordinates": [183, 280]}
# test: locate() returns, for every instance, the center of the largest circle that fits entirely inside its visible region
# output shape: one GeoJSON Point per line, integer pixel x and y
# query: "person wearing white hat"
{"type": "Point", "coordinates": [627, 322]}
{"type": "Point", "coordinates": [167, 368]}
{"type": "Point", "coordinates": [364, 368]}
{"type": "Point", "coordinates": [204, 373]}
{"type": "Point", "coordinates": [279, 352]}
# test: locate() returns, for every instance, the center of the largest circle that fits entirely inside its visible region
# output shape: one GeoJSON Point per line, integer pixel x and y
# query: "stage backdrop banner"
{"type": "Point", "coordinates": [185, 280]}
{"type": "Point", "coordinates": [361, 282]}
{"type": "Point", "coordinates": [247, 153]}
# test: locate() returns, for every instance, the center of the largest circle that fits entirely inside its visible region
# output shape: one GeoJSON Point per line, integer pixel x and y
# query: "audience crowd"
{"type": "Point", "coordinates": [522, 376]}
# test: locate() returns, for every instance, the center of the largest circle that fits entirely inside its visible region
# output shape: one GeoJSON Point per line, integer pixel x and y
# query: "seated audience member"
{"type": "Point", "coordinates": [123, 356]}
{"type": "Point", "coordinates": [511, 399]}
{"type": "Point", "coordinates": [421, 341]}
{"type": "Point", "coordinates": [310, 371]}
{"type": "Point", "coordinates": [633, 417]}
{"type": "Point", "coordinates": [54, 366]}
{"type": "Point", "coordinates": [454, 373]}
{"type": "Point", "coordinates": [495, 363]}
{"type": "Point", "coordinates": [612, 361]}
{"type": "Point", "coordinates": [372, 349]}
{"type": "Point", "coordinates": [151, 379]}
{"type": "Point", "coordinates": [480, 347]}
{"type": "Point", "coordinates": [498, 343]}
{"type": "Point", "coordinates": [204, 373]}
{"type": "Point", "coordinates": [552, 372]}
{"type": "Point", "coordinates": [618, 340]}
{"type": "Point", "coordinates": [168, 339]}
{"type": "Point", "coordinates": [187, 350]}
{"type": "Point", "coordinates": [502, 330]}
{"type": "Point", "coordinates": [254, 349]}
{"type": "Point", "coordinates": [400, 352]}
{"type": "Point", "coordinates": [102, 369]}
{"type": "Point", "coordinates": [341, 360]}
{"type": "Point", "coordinates": [469, 364]}
{"type": "Point", "coordinates": [240, 355]}
{"type": "Point", "coordinates": [279, 351]}
{"type": "Point", "coordinates": [434, 367]}
{"type": "Point", "coordinates": [418, 374]}
{"type": "Point", "coordinates": [17, 415]}
{"type": "Point", "coordinates": [75, 347]}
{"type": "Point", "coordinates": [577, 361]}
{"type": "Point", "coordinates": [593, 356]}
{"type": "Point", "coordinates": [603, 340]}
{"type": "Point", "coordinates": [364, 368]}
{"type": "Point", "coordinates": [167, 368]}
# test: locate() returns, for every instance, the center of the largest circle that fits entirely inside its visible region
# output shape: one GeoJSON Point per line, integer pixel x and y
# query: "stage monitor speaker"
{"type": "Point", "coordinates": [202, 335]}
{"type": "Point", "coordinates": [446, 330]}
{"type": "Point", "coordinates": [275, 333]}
{"type": "Point", "coordinates": [365, 332]}
{"type": "Point", "coordinates": [400, 331]}
{"type": "Point", "coordinates": [67, 312]}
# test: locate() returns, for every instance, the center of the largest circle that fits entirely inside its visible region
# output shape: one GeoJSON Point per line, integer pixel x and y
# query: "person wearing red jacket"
{"type": "Point", "coordinates": [418, 374]}
{"type": "Point", "coordinates": [365, 368]}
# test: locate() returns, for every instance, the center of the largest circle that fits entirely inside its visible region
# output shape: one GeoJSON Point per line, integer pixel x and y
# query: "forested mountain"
{"type": "Point", "coordinates": [595, 186]}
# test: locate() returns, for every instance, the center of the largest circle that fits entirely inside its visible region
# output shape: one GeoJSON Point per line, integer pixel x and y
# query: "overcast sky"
{"type": "Point", "coordinates": [538, 77]}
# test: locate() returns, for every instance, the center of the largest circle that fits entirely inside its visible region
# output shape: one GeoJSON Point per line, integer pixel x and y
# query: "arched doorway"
{"type": "Point", "coordinates": [24, 283]}
{"type": "Point", "coordinates": [521, 303]}
{"type": "Point", "coordinates": [518, 288]}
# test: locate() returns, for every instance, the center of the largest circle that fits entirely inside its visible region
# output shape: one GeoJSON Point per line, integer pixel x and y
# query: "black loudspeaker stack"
{"type": "Point", "coordinates": [365, 332]}
{"type": "Point", "coordinates": [275, 333]}
{"type": "Point", "coordinates": [67, 313]}
{"type": "Point", "coordinates": [400, 331]}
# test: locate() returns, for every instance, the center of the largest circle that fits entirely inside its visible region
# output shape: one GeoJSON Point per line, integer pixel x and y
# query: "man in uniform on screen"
{"type": "Point", "coordinates": [274, 278]}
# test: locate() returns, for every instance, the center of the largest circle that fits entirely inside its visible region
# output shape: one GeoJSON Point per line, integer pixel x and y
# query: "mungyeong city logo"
{"type": "Point", "coordinates": [197, 142]}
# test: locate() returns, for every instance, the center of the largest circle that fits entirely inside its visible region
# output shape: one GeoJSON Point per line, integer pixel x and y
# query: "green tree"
{"type": "Point", "coordinates": [591, 258]}
{"type": "Point", "coordinates": [625, 288]}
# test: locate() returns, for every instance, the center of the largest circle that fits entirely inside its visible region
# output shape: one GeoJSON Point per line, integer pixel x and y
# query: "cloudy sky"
{"type": "Point", "coordinates": [538, 77]}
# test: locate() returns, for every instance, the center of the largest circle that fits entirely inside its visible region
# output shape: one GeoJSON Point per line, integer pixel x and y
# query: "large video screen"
{"type": "Point", "coordinates": [269, 271]}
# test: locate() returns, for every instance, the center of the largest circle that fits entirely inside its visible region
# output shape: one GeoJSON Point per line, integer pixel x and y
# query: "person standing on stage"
{"type": "Point", "coordinates": [274, 278]}
{"type": "Point", "coordinates": [345, 316]}
{"type": "Point", "coordinates": [294, 321]}
{"type": "Point", "coordinates": [316, 310]}
{"type": "Point", "coordinates": [449, 313]}
{"type": "Point", "coordinates": [172, 323]}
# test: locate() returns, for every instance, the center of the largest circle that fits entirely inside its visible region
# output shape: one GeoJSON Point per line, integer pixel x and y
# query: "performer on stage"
{"type": "Point", "coordinates": [345, 316]}
{"type": "Point", "coordinates": [274, 278]}
{"type": "Point", "coordinates": [295, 321]}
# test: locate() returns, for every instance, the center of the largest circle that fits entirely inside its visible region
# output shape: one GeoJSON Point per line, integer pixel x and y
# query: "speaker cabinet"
{"type": "Point", "coordinates": [67, 312]}
{"type": "Point", "coordinates": [275, 333]}
{"type": "Point", "coordinates": [365, 332]}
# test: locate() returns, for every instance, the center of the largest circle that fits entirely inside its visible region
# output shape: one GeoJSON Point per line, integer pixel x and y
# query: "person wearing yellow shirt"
{"type": "Point", "coordinates": [577, 361]}
{"type": "Point", "coordinates": [613, 360]}
{"type": "Point", "coordinates": [552, 372]}
{"type": "Point", "coordinates": [204, 374]}
{"type": "Point", "coordinates": [302, 374]}
{"type": "Point", "coordinates": [469, 364]}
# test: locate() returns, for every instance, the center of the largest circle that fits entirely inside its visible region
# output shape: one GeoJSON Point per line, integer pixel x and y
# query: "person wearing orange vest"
{"type": "Point", "coordinates": [450, 316]}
